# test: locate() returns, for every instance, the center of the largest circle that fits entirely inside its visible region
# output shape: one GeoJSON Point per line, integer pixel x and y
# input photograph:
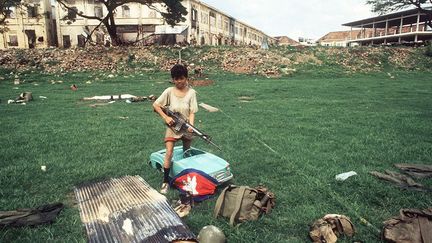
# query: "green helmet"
{"type": "Point", "coordinates": [211, 234]}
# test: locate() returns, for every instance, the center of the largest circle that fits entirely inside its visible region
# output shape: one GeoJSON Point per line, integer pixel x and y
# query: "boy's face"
{"type": "Point", "coordinates": [180, 82]}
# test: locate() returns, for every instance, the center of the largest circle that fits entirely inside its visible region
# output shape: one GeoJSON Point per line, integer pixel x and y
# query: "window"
{"type": "Point", "coordinates": [125, 11]}
{"type": "Point", "coordinates": [72, 13]}
{"type": "Point", "coordinates": [212, 19]}
{"type": "Point", "coordinates": [13, 40]}
{"type": "Point", "coordinates": [98, 11]}
{"type": "Point", "coordinates": [32, 11]}
{"type": "Point", "coordinates": [194, 14]}
{"type": "Point", "coordinates": [236, 30]}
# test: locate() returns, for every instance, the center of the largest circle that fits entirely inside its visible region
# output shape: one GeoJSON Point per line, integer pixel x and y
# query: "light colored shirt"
{"type": "Point", "coordinates": [184, 105]}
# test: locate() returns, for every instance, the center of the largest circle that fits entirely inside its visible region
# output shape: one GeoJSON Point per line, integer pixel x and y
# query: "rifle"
{"type": "Point", "coordinates": [180, 124]}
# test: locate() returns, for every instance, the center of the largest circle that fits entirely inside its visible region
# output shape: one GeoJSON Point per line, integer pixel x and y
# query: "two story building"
{"type": "Point", "coordinates": [136, 23]}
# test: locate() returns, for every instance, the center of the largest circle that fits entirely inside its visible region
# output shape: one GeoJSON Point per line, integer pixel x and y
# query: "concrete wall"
{"type": "Point", "coordinates": [29, 31]}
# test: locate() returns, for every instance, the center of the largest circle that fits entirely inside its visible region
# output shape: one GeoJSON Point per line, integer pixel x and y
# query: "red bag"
{"type": "Point", "coordinates": [197, 183]}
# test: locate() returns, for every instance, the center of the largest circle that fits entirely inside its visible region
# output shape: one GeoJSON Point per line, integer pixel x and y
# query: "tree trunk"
{"type": "Point", "coordinates": [109, 23]}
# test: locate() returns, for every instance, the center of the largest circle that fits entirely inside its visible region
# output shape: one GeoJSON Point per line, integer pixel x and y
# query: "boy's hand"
{"type": "Point", "coordinates": [190, 129]}
{"type": "Point", "coordinates": [169, 121]}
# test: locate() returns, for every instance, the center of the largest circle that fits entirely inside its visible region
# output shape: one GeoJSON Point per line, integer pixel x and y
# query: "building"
{"type": "Point", "coordinates": [141, 25]}
{"type": "Point", "coordinates": [30, 27]}
{"type": "Point", "coordinates": [286, 41]}
{"type": "Point", "coordinates": [338, 38]}
{"type": "Point", "coordinates": [407, 26]}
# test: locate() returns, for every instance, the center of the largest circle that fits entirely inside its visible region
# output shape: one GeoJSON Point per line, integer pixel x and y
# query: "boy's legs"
{"type": "Point", "coordinates": [167, 165]}
{"type": "Point", "coordinates": [186, 145]}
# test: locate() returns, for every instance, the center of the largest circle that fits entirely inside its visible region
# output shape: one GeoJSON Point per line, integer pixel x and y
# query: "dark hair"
{"type": "Point", "coordinates": [178, 71]}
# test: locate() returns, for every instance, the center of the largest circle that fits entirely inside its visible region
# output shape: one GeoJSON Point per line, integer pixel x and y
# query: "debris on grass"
{"type": "Point", "coordinates": [344, 176]}
{"type": "Point", "coordinates": [201, 82]}
{"type": "Point", "coordinates": [209, 108]}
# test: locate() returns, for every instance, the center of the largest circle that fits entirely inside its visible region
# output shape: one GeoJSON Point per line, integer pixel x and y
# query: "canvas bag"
{"type": "Point", "coordinates": [328, 228]}
{"type": "Point", "coordinates": [411, 226]}
{"type": "Point", "coordinates": [243, 203]}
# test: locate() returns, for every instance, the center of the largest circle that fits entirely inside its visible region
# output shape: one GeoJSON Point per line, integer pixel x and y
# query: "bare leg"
{"type": "Point", "coordinates": [186, 145]}
{"type": "Point", "coordinates": [168, 155]}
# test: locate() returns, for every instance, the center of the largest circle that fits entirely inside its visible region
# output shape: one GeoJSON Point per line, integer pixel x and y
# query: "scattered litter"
{"type": "Point", "coordinates": [43, 168]}
{"type": "Point", "coordinates": [74, 87]}
{"type": "Point", "coordinates": [98, 104]}
{"type": "Point", "coordinates": [16, 81]}
{"type": "Point", "coordinates": [328, 228]}
{"type": "Point", "coordinates": [123, 117]}
{"type": "Point", "coordinates": [15, 88]}
{"type": "Point", "coordinates": [112, 101]}
{"type": "Point", "coordinates": [43, 214]}
{"type": "Point", "coordinates": [127, 226]}
{"type": "Point", "coordinates": [400, 180]}
{"type": "Point", "coordinates": [344, 176]}
{"type": "Point", "coordinates": [36, 84]}
{"type": "Point", "coordinates": [128, 101]}
{"type": "Point", "coordinates": [416, 170]}
{"type": "Point", "coordinates": [111, 76]}
{"type": "Point", "coordinates": [110, 97]}
{"type": "Point", "coordinates": [42, 97]}
{"type": "Point", "coordinates": [22, 98]}
{"type": "Point", "coordinates": [88, 82]}
{"type": "Point", "coordinates": [412, 225]}
{"type": "Point", "coordinates": [209, 107]}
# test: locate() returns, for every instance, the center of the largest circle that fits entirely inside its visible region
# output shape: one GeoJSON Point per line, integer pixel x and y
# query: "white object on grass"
{"type": "Point", "coordinates": [344, 176]}
{"type": "Point", "coordinates": [43, 167]}
{"type": "Point", "coordinates": [113, 101]}
{"type": "Point", "coordinates": [42, 97]}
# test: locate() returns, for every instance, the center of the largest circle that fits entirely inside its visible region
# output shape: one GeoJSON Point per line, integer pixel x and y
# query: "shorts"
{"type": "Point", "coordinates": [172, 136]}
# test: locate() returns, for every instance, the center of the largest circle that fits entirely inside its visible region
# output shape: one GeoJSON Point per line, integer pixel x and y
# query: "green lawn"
{"type": "Point", "coordinates": [294, 136]}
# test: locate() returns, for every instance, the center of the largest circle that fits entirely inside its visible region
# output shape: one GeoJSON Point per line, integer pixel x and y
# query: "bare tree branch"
{"type": "Point", "coordinates": [75, 10]}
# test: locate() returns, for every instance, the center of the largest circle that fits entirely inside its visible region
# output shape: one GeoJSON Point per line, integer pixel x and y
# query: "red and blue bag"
{"type": "Point", "coordinates": [199, 185]}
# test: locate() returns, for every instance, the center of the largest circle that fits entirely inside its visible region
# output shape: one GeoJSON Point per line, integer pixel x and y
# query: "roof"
{"type": "Point", "coordinates": [367, 23]}
{"type": "Point", "coordinates": [343, 35]}
{"type": "Point", "coordinates": [338, 35]}
{"type": "Point", "coordinates": [285, 40]}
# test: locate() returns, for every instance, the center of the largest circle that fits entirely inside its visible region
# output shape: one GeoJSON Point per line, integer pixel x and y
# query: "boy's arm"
{"type": "Point", "coordinates": [168, 120]}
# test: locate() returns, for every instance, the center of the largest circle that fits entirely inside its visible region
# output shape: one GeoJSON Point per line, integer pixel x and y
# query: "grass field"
{"type": "Point", "coordinates": [294, 135]}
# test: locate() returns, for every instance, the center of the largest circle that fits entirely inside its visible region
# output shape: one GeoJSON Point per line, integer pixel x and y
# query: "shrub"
{"type": "Point", "coordinates": [429, 50]}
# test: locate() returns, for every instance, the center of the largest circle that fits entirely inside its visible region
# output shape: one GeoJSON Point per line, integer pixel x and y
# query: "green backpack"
{"type": "Point", "coordinates": [243, 203]}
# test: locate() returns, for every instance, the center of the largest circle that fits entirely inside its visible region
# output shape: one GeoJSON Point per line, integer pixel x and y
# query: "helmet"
{"type": "Point", "coordinates": [211, 234]}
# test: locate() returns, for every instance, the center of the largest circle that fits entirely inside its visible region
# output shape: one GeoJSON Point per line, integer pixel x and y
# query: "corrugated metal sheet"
{"type": "Point", "coordinates": [127, 209]}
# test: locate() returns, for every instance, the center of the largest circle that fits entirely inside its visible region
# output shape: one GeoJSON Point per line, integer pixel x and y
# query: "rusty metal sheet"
{"type": "Point", "coordinates": [127, 209]}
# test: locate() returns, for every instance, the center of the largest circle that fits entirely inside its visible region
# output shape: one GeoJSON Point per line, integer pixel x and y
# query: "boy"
{"type": "Point", "coordinates": [180, 98]}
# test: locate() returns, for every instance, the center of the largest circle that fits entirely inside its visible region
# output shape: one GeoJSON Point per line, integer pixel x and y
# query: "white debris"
{"type": "Point", "coordinates": [208, 107]}
{"type": "Point", "coordinates": [127, 226]}
{"type": "Point", "coordinates": [344, 176]}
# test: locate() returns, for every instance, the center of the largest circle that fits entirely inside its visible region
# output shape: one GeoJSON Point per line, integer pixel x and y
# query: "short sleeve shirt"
{"type": "Point", "coordinates": [184, 105]}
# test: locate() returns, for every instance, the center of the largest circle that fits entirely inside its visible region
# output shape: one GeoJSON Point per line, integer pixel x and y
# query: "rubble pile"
{"type": "Point", "coordinates": [273, 62]}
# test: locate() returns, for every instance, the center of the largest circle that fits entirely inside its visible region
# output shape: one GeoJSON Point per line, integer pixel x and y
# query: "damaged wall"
{"type": "Point", "coordinates": [30, 27]}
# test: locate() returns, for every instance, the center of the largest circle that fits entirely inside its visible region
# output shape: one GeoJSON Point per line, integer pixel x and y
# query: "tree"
{"type": "Point", "coordinates": [5, 9]}
{"type": "Point", "coordinates": [385, 6]}
{"type": "Point", "coordinates": [173, 14]}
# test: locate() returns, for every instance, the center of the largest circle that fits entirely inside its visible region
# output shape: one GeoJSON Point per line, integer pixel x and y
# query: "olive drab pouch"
{"type": "Point", "coordinates": [243, 203]}
{"type": "Point", "coordinates": [411, 226]}
{"type": "Point", "coordinates": [328, 228]}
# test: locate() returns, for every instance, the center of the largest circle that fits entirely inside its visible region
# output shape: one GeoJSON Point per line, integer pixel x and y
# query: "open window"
{"type": "Point", "coordinates": [98, 12]}
{"type": "Point", "coordinates": [32, 11]}
{"type": "Point", "coordinates": [125, 11]}
{"type": "Point", "coordinates": [72, 13]}
{"type": "Point", "coordinates": [13, 40]}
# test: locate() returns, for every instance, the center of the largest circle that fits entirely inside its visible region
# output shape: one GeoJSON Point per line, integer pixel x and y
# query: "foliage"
{"type": "Point", "coordinates": [385, 6]}
{"type": "Point", "coordinates": [5, 9]}
{"type": "Point", "coordinates": [429, 50]}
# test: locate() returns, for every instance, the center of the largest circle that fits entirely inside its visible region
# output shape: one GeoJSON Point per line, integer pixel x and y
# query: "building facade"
{"type": "Point", "coordinates": [409, 26]}
{"type": "Point", "coordinates": [30, 27]}
{"type": "Point", "coordinates": [138, 24]}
